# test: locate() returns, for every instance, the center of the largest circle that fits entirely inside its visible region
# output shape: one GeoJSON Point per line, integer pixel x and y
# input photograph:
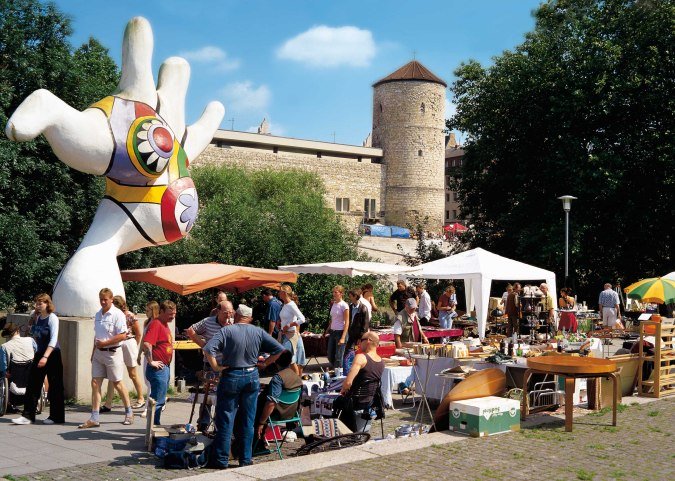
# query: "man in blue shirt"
{"type": "Point", "coordinates": [240, 344]}
{"type": "Point", "coordinates": [274, 306]}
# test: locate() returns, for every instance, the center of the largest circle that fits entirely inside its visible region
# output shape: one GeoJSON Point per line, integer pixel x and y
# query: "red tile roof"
{"type": "Point", "coordinates": [411, 71]}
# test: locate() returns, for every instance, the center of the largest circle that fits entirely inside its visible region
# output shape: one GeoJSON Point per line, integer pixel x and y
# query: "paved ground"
{"type": "Point", "coordinates": [598, 451]}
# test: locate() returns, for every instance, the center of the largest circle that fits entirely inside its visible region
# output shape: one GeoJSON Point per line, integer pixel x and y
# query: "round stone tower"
{"type": "Point", "coordinates": [408, 125]}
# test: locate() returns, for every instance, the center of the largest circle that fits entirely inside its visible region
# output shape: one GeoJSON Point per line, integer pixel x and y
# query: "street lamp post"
{"type": "Point", "coordinates": [567, 206]}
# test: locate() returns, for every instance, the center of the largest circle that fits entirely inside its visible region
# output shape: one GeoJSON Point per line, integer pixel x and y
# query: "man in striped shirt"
{"type": "Point", "coordinates": [202, 332]}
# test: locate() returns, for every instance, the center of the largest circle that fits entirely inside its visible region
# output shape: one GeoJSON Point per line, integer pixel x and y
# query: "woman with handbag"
{"type": "Point", "coordinates": [289, 336]}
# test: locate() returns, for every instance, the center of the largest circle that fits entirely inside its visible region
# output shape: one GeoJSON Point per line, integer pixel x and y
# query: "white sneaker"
{"type": "Point", "coordinates": [22, 420]}
{"type": "Point", "coordinates": [47, 421]}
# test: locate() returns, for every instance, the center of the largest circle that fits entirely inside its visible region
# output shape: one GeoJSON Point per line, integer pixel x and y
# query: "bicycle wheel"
{"type": "Point", "coordinates": [332, 444]}
{"type": "Point", "coordinates": [4, 396]}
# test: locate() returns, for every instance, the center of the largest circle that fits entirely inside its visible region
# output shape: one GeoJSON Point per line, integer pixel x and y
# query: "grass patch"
{"type": "Point", "coordinates": [596, 446]}
{"type": "Point", "coordinates": [654, 429]}
{"type": "Point", "coordinates": [653, 414]}
{"type": "Point", "coordinates": [635, 404]}
{"type": "Point", "coordinates": [602, 412]}
{"type": "Point", "coordinates": [10, 477]}
{"type": "Point", "coordinates": [518, 456]}
{"type": "Point", "coordinates": [621, 407]}
{"type": "Point", "coordinates": [171, 391]}
{"type": "Point", "coordinates": [610, 429]}
{"type": "Point", "coordinates": [584, 475]}
{"type": "Point", "coordinates": [634, 441]}
{"type": "Point", "coordinates": [617, 474]}
{"type": "Point", "coordinates": [492, 474]}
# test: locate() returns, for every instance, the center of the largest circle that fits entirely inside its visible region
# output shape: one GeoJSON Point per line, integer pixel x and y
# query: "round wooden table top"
{"type": "Point", "coordinates": [571, 365]}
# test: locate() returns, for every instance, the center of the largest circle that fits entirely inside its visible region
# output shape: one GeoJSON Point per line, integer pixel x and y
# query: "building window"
{"type": "Point", "coordinates": [447, 197]}
{"type": "Point", "coordinates": [369, 208]}
{"type": "Point", "coordinates": [447, 214]}
{"type": "Point", "coordinates": [422, 108]}
{"type": "Point", "coordinates": [380, 107]}
{"type": "Point", "coordinates": [359, 159]}
{"type": "Point", "coordinates": [419, 153]}
{"type": "Point", "coordinates": [454, 214]}
{"type": "Point", "coordinates": [455, 196]}
{"type": "Point", "coordinates": [318, 155]}
{"type": "Point", "coordinates": [342, 204]}
{"type": "Point", "coordinates": [276, 150]}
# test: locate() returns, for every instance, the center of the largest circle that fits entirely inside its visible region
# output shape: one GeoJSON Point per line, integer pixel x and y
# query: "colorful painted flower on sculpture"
{"type": "Point", "coordinates": [148, 171]}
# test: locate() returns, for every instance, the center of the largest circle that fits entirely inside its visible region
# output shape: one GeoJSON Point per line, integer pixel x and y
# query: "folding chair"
{"type": "Point", "coordinates": [377, 404]}
{"type": "Point", "coordinates": [287, 398]}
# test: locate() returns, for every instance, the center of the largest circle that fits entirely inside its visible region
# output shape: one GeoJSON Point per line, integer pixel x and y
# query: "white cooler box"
{"type": "Point", "coordinates": [485, 416]}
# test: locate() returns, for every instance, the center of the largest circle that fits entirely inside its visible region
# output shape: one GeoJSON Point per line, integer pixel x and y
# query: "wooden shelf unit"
{"type": "Point", "coordinates": [662, 380]}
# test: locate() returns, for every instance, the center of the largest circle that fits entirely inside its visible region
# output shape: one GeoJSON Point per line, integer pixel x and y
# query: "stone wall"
{"type": "Point", "coordinates": [408, 124]}
{"type": "Point", "coordinates": [343, 177]}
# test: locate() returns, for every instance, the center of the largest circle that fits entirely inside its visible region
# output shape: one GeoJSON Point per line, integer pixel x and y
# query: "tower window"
{"type": "Point", "coordinates": [419, 153]}
{"type": "Point", "coordinates": [447, 197]}
{"type": "Point", "coordinates": [276, 150]}
{"type": "Point", "coordinates": [422, 108]}
{"type": "Point", "coordinates": [447, 214]}
{"type": "Point", "coordinates": [318, 155]}
{"type": "Point", "coordinates": [380, 107]}
{"type": "Point", "coordinates": [369, 208]}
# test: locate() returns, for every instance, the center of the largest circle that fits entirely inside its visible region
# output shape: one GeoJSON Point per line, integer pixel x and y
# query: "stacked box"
{"type": "Point", "coordinates": [485, 416]}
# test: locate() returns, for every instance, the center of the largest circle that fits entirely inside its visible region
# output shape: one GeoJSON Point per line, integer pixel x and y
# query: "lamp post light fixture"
{"type": "Point", "coordinates": [567, 206]}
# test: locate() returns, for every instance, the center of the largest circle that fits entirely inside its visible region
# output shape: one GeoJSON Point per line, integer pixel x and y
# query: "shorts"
{"type": "Point", "coordinates": [130, 352]}
{"type": "Point", "coordinates": [109, 365]}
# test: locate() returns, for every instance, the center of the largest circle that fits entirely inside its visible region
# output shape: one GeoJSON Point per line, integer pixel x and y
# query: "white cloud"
{"type": "Point", "coordinates": [211, 55]}
{"type": "Point", "coordinates": [243, 96]}
{"type": "Point", "coordinates": [327, 47]}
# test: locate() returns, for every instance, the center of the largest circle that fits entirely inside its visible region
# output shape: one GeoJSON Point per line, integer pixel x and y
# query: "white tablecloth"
{"type": "Point", "coordinates": [390, 379]}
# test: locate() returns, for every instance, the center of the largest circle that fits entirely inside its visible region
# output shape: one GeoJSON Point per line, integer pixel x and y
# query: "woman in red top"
{"type": "Point", "coordinates": [158, 349]}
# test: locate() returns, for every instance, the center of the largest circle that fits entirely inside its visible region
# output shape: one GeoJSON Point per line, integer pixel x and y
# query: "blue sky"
{"type": "Point", "coordinates": [307, 66]}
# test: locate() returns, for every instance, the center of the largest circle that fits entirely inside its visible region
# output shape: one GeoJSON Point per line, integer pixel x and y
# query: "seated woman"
{"type": "Point", "coordinates": [362, 383]}
{"type": "Point", "coordinates": [268, 400]}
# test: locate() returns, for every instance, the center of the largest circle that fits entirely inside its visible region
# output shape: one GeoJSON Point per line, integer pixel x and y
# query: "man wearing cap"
{"type": "Point", "coordinates": [202, 332]}
{"type": "Point", "coordinates": [407, 327]}
{"type": "Point", "coordinates": [240, 344]}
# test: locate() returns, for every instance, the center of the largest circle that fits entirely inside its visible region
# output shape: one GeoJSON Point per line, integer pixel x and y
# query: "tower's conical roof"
{"type": "Point", "coordinates": [411, 71]}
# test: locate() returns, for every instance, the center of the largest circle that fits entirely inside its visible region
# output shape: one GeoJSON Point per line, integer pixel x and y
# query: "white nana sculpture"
{"type": "Point", "coordinates": [138, 139]}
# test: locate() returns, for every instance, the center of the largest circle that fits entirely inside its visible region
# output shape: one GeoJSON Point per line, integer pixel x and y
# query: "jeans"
{"type": "Point", "coordinates": [445, 319]}
{"type": "Point", "coordinates": [237, 390]}
{"type": "Point", "coordinates": [159, 383]}
{"type": "Point", "coordinates": [336, 351]}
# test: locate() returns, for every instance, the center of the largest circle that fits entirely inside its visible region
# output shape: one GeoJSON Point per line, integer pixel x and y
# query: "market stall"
{"type": "Point", "coordinates": [478, 268]}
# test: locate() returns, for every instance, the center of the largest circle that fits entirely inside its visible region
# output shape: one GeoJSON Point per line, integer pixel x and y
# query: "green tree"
{"type": "Point", "coordinates": [257, 219]}
{"type": "Point", "coordinates": [584, 106]}
{"type": "Point", "coordinates": [45, 207]}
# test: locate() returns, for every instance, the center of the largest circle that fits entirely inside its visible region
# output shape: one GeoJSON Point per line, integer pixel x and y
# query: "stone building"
{"type": "Point", "coordinates": [399, 176]}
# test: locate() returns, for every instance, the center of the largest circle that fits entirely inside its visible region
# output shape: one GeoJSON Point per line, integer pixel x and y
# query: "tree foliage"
{"type": "Point", "coordinates": [45, 207]}
{"type": "Point", "coordinates": [585, 107]}
{"type": "Point", "coordinates": [257, 219]}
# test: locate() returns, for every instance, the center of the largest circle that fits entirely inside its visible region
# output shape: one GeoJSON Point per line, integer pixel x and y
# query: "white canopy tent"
{"type": "Point", "coordinates": [478, 268]}
{"type": "Point", "coordinates": [670, 276]}
{"type": "Point", "coordinates": [352, 268]}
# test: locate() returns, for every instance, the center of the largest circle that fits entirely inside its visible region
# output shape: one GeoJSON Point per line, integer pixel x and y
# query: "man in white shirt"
{"type": "Point", "coordinates": [107, 361]}
{"type": "Point", "coordinates": [424, 309]}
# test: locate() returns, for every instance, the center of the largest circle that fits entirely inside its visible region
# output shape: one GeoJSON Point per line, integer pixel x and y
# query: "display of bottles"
{"type": "Point", "coordinates": [502, 346]}
{"type": "Point", "coordinates": [511, 348]}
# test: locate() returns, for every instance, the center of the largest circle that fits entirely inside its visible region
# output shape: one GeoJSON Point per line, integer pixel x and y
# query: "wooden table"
{"type": "Point", "coordinates": [571, 367]}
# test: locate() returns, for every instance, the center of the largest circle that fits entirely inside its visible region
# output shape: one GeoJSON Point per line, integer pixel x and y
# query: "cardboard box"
{"type": "Point", "coordinates": [485, 416]}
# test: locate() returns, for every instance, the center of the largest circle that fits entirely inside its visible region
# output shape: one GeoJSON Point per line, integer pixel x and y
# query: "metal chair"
{"type": "Point", "coordinates": [288, 398]}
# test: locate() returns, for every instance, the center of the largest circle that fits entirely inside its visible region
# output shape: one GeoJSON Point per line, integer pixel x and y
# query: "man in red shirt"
{"type": "Point", "coordinates": [158, 348]}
